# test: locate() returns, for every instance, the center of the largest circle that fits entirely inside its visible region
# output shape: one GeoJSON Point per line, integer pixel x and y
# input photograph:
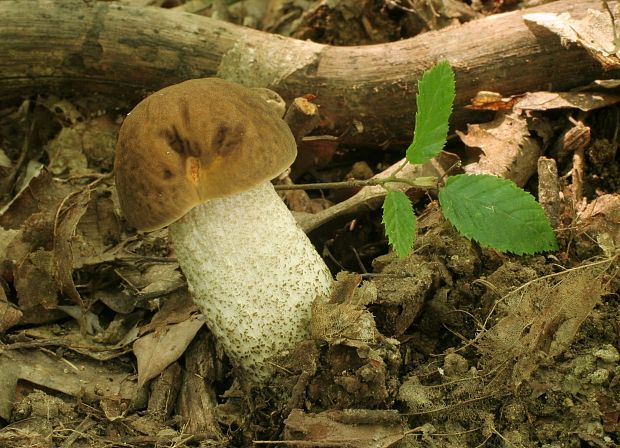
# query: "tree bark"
{"type": "Point", "coordinates": [78, 46]}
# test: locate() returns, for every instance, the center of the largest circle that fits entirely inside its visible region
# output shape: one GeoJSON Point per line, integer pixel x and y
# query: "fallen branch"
{"type": "Point", "coordinates": [81, 46]}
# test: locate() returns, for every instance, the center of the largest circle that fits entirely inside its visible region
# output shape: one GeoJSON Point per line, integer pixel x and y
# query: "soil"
{"type": "Point", "coordinates": [455, 345]}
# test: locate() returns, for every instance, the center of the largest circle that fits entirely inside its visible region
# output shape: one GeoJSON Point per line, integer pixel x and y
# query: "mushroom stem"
{"type": "Point", "coordinates": [253, 273]}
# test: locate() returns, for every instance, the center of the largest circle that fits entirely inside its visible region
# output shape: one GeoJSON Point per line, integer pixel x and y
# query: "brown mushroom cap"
{"type": "Point", "coordinates": [194, 141]}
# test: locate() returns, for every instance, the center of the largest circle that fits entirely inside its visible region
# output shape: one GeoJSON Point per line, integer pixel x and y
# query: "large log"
{"type": "Point", "coordinates": [79, 46]}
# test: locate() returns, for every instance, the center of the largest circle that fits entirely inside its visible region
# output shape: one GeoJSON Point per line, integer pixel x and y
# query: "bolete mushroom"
{"type": "Point", "coordinates": [198, 157]}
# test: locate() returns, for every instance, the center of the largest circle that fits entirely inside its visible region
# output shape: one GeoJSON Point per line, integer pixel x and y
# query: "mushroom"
{"type": "Point", "coordinates": [198, 157]}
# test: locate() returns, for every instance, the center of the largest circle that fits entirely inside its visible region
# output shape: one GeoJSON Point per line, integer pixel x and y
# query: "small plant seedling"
{"type": "Point", "coordinates": [488, 209]}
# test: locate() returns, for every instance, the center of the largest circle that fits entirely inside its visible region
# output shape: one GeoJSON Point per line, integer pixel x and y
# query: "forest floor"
{"type": "Point", "coordinates": [455, 345]}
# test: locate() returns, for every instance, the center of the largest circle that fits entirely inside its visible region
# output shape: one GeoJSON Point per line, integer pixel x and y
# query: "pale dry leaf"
{"type": "Point", "coordinates": [343, 315]}
{"type": "Point", "coordinates": [65, 152]}
{"type": "Point", "coordinates": [88, 320]}
{"type": "Point", "coordinates": [541, 322]}
{"type": "Point", "coordinates": [600, 84]}
{"type": "Point", "coordinates": [585, 101]}
{"type": "Point", "coordinates": [5, 162]}
{"type": "Point", "coordinates": [76, 341]}
{"type": "Point", "coordinates": [363, 428]}
{"type": "Point", "coordinates": [159, 349]}
{"type": "Point", "coordinates": [509, 150]}
{"type": "Point", "coordinates": [162, 277]}
{"type": "Point", "coordinates": [6, 238]}
{"type": "Point", "coordinates": [601, 220]}
{"type": "Point", "coordinates": [9, 314]}
{"type": "Point", "coordinates": [152, 279]}
{"type": "Point", "coordinates": [63, 109]}
{"type": "Point", "coordinates": [87, 379]}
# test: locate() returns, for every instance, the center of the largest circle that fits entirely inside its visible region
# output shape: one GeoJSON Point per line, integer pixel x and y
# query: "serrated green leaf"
{"type": "Point", "coordinates": [434, 106]}
{"type": "Point", "coordinates": [497, 214]}
{"type": "Point", "coordinates": [399, 222]}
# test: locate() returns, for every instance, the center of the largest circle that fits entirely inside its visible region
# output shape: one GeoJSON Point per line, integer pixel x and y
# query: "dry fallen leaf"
{"type": "Point", "coordinates": [486, 100]}
{"type": "Point", "coordinates": [64, 229]}
{"type": "Point", "coordinates": [86, 379]}
{"type": "Point", "coordinates": [585, 101]}
{"type": "Point", "coordinates": [601, 220]}
{"type": "Point", "coordinates": [362, 428]}
{"type": "Point", "coordinates": [83, 143]}
{"type": "Point", "coordinates": [41, 194]}
{"type": "Point", "coordinates": [541, 321]}
{"type": "Point", "coordinates": [177, 307]}
{"type": "Point", "coordinates": [34, 281]}
{"type": "Point", "coordinates": [343, 315]}
{"type": "Point", "coordinates": [159, 349]}
{"type": "Point", "coordinates": [71, 338]}
{"type": "Point", "coordinates": [9, 314]}
{"type": "Point", "coordinates": [508, 149]}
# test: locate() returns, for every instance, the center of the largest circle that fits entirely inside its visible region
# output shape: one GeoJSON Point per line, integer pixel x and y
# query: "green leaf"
{"type": "Point", "coordinates": [434, 106]}
{"type": "Point", "coordinates": [399, 222]}
{"type": "Point", "coordinates": [497, 214]}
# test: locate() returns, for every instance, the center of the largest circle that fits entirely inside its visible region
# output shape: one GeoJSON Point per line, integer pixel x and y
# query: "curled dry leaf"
{"type": "Point", "coordinates": [71, 338]}
{"type": "Point", "coordinates": [9, 314]}
{"type": "Point", "coordinates": [343, 315]}
{"type": "Point", "coordinates": [601, 220]}
{"type": "Point", "coordinates": [64, 228]}
{"type": "Point", "coordinates": [508, 149]}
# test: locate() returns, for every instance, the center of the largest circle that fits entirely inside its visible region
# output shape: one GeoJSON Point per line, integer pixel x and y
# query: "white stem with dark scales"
{"type": "Point", "coordinates": [253, 273]}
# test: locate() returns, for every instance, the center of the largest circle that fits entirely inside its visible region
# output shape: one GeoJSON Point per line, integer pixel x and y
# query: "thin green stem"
{"type": "Point", "coordinates": [423, 182]}
{"type": "Point", "coordinates": [399, 169]}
